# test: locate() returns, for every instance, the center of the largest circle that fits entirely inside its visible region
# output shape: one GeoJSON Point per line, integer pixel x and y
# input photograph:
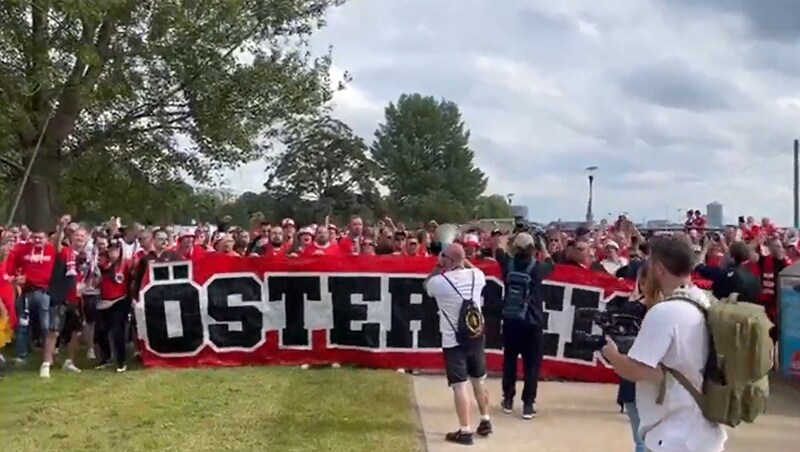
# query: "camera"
{"type": "Point", "coordinates": [621, 321]}
{"type": "Point", "coordinates": [535, 230]}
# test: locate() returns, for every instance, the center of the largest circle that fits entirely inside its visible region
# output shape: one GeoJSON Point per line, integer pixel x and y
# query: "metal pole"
{"type": "Point", "coordinates": [589, 215]}
{"type": "Point", "coordinates": [28, 169]}
{"type": "Point", "coordinates": [796, 184]}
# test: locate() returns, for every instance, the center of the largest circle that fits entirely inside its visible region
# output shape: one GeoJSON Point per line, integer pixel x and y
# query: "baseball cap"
{"type": "Point", "coordinates": [523, 240]}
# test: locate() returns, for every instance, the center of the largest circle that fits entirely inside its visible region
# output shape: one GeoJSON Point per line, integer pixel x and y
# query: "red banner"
{"type": "Point", "coordinates": [361, 310]}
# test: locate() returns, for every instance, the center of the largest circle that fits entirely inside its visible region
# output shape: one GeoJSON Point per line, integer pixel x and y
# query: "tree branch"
{"type": "Point", "coordinates": [11, 164]}
{"type": "Point", "coordinates": [39, 62]}
{"type": "Point", "coordinates": [120, 128]}
{"type": "Point", "coordinates": [81, 80]}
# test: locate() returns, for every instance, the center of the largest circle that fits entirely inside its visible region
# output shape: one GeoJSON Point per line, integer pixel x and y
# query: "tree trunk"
{"type": "Point", "coordinates": [39, 204]}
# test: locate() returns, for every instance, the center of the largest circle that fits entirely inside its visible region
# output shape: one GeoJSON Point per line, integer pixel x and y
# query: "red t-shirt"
{"type": "Point", "coordinates": [36, 263]}
{"type": "Point", "coordinates": [313, 249]}
{"type": "Point", "coordinates": [72, 293]}
{"type": "Point", "coordinates": [271, 251]}
{"type": "Point", "coordinates": [715, 258]}
{"type": "Point", "coordinates": [346, 244]}
{"type": "Point", "coordinates": [7, 295]}
{"type": "Point", "coordinates": [195, 252]}
{"type": "Point", "coordinates": [114, 281]}
{"type": "Point", "coordinates": [699, 223]}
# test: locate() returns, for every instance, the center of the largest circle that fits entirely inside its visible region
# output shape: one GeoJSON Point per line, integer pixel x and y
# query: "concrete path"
{"type": "Point", "coordinates": [577, 417]}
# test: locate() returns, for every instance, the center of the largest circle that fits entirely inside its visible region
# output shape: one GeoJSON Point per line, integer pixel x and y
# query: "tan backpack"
{"type": "Point", "coordinates": [736, 377]}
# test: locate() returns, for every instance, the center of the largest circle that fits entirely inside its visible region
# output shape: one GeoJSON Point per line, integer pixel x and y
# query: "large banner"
{"type": "Point", "coordinates": [362, 310]}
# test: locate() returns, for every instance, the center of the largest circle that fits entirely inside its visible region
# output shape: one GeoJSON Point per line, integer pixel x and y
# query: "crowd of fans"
{"type": "Point", "coordinates": [75, 284]}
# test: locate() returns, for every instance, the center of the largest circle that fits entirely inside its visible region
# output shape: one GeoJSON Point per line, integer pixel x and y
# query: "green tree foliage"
{"type": "Point", "coordinates": [172, 87]}
{"type": "Point", "coordinates": [325, 164]}
{"type": "Point", "coordinates": [493, 206]}
{"type": "Point", "coordinates": [423, 153]}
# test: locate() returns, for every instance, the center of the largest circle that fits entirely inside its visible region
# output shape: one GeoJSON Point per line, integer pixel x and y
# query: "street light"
{"type": "Point", "coordinates": [509, 197]}
{"type": "Point", "coordinates": [590, 170]}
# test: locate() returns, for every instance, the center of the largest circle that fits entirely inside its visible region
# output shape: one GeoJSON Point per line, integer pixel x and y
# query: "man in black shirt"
{"type": "Point", "coordinates": [736, 278]}
{"type": "Point", "coordinates": [159, 253]}
{"type": "Point", "coordinates": [523, 335]}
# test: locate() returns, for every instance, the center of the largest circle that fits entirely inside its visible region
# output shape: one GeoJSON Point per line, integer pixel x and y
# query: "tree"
{"type": "Point", "coordinates": [324, 162]}
{"type": "Point", "coordinates": [492, 206]}
{"type": "Point", "coordinates": [438, 205]}
{"type": "Point", "coordinates": [172, 88]}
{"type": "Point", "coordinates": [423, 148]}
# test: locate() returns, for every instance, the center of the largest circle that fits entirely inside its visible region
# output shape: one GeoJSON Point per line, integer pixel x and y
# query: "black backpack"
{"type": "Point", "coordinates": [471, 327]}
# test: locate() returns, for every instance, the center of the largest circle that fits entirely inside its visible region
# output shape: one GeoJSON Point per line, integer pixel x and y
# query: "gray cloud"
{"type": "Point", "coordinates": [768, 19]}
{"type": "Point", "coordinates": [778, 57]}
{"type": "Point", "coordinates": [671, 83]}
{"type": "Point", "coordinates": [678, 102]}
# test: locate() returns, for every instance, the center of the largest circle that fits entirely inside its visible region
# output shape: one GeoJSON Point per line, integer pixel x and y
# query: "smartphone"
{"type": "Point", "coordinates": [741, 219]}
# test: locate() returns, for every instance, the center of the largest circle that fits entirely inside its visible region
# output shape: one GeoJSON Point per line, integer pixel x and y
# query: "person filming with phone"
{"type": "Point", "coordinates": [457, 286]}
{"type": "Point", "coordinates": [523, 318]}
{"type": "Point", "coordinates": [674, 336]}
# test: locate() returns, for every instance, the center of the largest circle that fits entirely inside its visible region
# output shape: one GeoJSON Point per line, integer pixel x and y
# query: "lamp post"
{"type": "Point", "coordinates": [590, 170]}
{"type": "Point", "coordinates": [509, 197]}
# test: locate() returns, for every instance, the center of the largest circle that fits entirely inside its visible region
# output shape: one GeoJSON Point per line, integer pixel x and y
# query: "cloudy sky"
{"type": "Point", "coordinates": [679, 102]}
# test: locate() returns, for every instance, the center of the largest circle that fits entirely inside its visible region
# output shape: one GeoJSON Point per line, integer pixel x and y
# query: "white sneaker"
{"type": "Point", "coordinates": [18, 361]}
{"type": "Point", "coordinates": [69, 365]}
{"type": "Point", "coordinates": [122, 369]}
{"type": "Point", "coordinates": [44, 371]}
{"type": "Point", "coordinates": [90, 354]}
{"type": "Point", "coordinates": [304, 366]}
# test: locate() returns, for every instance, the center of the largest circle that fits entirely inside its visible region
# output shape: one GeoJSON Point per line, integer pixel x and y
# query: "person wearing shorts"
{"type": "Point", "coordinates": [44, 269]}
{"type": "Point", "coordinates": [451, 282]}
{"type": "Point", "coordinates": [464, 363]}
{"type": "Point", "coordinates": [34, 300]}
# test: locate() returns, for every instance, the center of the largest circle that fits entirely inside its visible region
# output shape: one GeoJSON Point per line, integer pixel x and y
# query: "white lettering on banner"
{"type": "Point", "coordinates": [318, 314]}
{"type": "Point", "coordinates": [172, 312]}
{"type": "Point", "coordinates": [416, 325]}
{"type": "Point", "coordinates": [274, 312]}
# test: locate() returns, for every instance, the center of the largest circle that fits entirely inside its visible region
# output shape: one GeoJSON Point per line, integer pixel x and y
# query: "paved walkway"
{"type": "Point", "coordinates": [575, 417]}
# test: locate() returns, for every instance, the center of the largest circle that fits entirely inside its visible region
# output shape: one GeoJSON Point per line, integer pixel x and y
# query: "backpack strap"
{"type": "Point", "coordinates": [463, 300]}
{"type": "Point", "coordinates": [680, 378]}
{"type": "Point", "coordinates": [711, 361]}
{"type": "Point", "coordinates": [471, 290]}
{"type": "Point", "coordinates": [530, 267]}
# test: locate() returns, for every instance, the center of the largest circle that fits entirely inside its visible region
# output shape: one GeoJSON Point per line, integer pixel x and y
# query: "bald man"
{"type": "Point", "coordinates": [454, 281]}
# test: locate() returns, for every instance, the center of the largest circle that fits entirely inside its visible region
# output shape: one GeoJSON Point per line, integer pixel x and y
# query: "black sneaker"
{"type": "Point", "coordinates": [484, 428]}
{"type": "Point", "coordinates": [528, 411]}
{"type": "Point", "coordinates": [507, 405]}
{"type": "Point", "coordinates": [460, 437]}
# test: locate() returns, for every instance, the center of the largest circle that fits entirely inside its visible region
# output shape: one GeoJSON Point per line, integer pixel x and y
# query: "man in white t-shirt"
{"type": "Point", "coordinates": [673, 334]}
{"type": "Point", "coordinates": [453, 281]}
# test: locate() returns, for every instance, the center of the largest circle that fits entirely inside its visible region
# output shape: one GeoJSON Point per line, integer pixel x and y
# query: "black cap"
{"type": "Point", "coordinates": [496, 231]}
{"type": "Point", "coordinates": [582, 230]}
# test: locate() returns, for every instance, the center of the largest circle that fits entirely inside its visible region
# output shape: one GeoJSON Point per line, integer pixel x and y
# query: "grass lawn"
{"type": "Point", "coordinates": [241, 409]}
